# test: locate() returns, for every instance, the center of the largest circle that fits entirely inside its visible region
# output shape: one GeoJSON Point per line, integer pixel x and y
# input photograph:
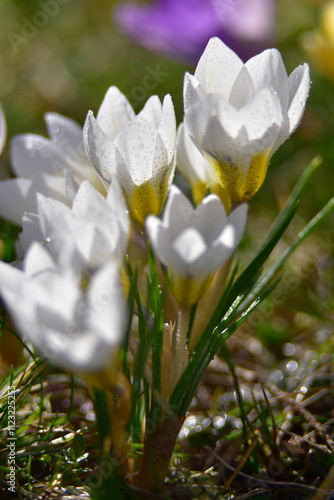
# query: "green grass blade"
{"type": "Point", "coordinates": [229, 361]}
{"type": "Point", "coordinates": [142, 352]}
{"type": "Point", "coordinates": [254, 267]}
{"type": "Point", "coordinates": [157, 308]}
{"type": "Point", "coordinates": [296, 194]}
{"type": "Point", "coordinates": [262, 282]}
{"type": "Point", "coordinates": [131, 301]}
{"type": "Point", "coordinates": [197, 365]}
{"type": "Point", "coordinates": [102, 415]}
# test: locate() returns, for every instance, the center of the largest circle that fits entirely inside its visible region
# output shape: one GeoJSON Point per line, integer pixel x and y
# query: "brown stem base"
{"type": "Point", "coordinates": [158, 448]}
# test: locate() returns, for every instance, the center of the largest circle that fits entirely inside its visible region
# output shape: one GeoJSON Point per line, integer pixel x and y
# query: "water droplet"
{"type": "Point", "coordinates": [289, 349]}
{"type": "Point", "coordinates": [292, 366]}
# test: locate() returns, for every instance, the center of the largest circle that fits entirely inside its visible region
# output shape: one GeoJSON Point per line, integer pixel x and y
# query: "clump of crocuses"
{"type": "Point", "coordinates": [106, 233]}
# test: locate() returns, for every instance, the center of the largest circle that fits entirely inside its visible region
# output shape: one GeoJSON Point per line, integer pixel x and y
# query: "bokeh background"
{"type": "Point", "coordinates": [66, 66]}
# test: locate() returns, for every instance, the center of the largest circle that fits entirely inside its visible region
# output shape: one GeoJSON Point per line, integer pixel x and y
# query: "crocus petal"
{"type": "Point", "coordinates": [260, 117]}
{"type": "Point", "coordinates": [299, 88]}
{"type": "Point", "coordinates": [51, 211]}
{"type": "Point", "coordinates": [84, 354]}
{"type": "Point", "coordinates": [237, 221]}
{"type": "Point", "coordinates": [116, 201]}
{"type": "Point", "coordinates": [66, 136]}
{"type": "Point", "coordinates": [37, 261]}
{"type": "Point", "coordinates": [99, 234]}
{"type": "Point", "coordinates": [186, 249]}
{"type": "Point", "coordinates": [32, 154]}
{"type": "Point", "coordinates": [72, 186]}
{"type": "Point", "coordinates": [224, 246]}
{"type": "Point", "coordinates": [142, 150]}
{"type": "Point", "coordinates": [267, 70]}
{"type": "Point", "coordinates": [152, 111]}
{"type": "Point", "coordinates": [31, 231]}
{"type": "Point", "coordinates": [167, 127]}
{"type": "Point", "coordinates": [218, 68]}
{"type": "Point", "coordinates": [220, 140]}
{"type": "Point", "coordinates": [193, 166]}
{"type": "Point", "coordinates": [10, 278]}
{"type": "Point", "coordinates": [192, 91]}
{"type": "Point", "coordinates": [159, 238]}
{"type": "Point", "coordinates": [89, 204]}
{"type": "Point", "coordinates": [106, 294]}
{"type": "Point", "coordinates": [65, 133]}
{"type": "Point", "coordinates": [177, 212]}
{"type": "Point", "coordinates": [115, 113]}
{"type": "Point", "coordinates": [57, 228]}
{"type": "Point", "coordinates": [36, 158]}
{"type": "Point", "coordinates": [189, 160]}
{"type": "Point", "coordinates": [99, 148]}
{"type": "Point", "coordinates": [243, 89]}
{"type": "Point", "coordinates": [187, 253]}
{"type": "Point", "coordinates": [209, 218]}
{"type": "Point", "coordinates": [17, 196]}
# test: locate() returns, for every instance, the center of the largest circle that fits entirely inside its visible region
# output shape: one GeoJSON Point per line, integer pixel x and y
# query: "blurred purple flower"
{"type": "Point", "coordinates": [180, 29]}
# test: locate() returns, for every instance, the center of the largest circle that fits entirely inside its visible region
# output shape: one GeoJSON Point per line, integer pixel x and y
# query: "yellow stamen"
{"type": "Point", "coordinates": [255, 176]}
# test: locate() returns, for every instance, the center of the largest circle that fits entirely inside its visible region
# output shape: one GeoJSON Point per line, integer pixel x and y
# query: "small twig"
{"type": "Point", "coordinates": [328, 482]}
{"type": "Point", "coordinates": [304, 439]}
{"type": "Point", "coordinates": [266, 482]}
{"type": "Point", "coordinates": [241, 464]}
{"type": "Point", "coordinates": [251, 494]}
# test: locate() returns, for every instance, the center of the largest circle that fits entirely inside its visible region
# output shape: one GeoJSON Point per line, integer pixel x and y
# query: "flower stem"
{"type": "Point", "coordinates": [208, 304]}
{"type": "Point", "coordinates": [180, 343]}
{"type": "Point", "coordinates": [160, 439]}
{"type": "Point", "coordinates": [158, 449]}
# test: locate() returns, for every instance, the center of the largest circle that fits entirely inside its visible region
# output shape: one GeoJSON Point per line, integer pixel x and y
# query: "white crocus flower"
{"type": "Point", "coordinates": [139, 150]}
{"type": "Point", "coordinates": [194, 243]}
{"type": "Point", "coordinates": [54, 167]}
{"type": "Point", "coordinates": [31, 231]}
{"type": "Point", "coordinates": [74, 328]}
{"type": "Point", "coordinates": [239, 114]}
{"type": "Point", "coordinates": [88, 234]}
{"type": "Point", "coordinates": [3, 130]}
{"type": "Point", "coordinates": [194, 167]}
